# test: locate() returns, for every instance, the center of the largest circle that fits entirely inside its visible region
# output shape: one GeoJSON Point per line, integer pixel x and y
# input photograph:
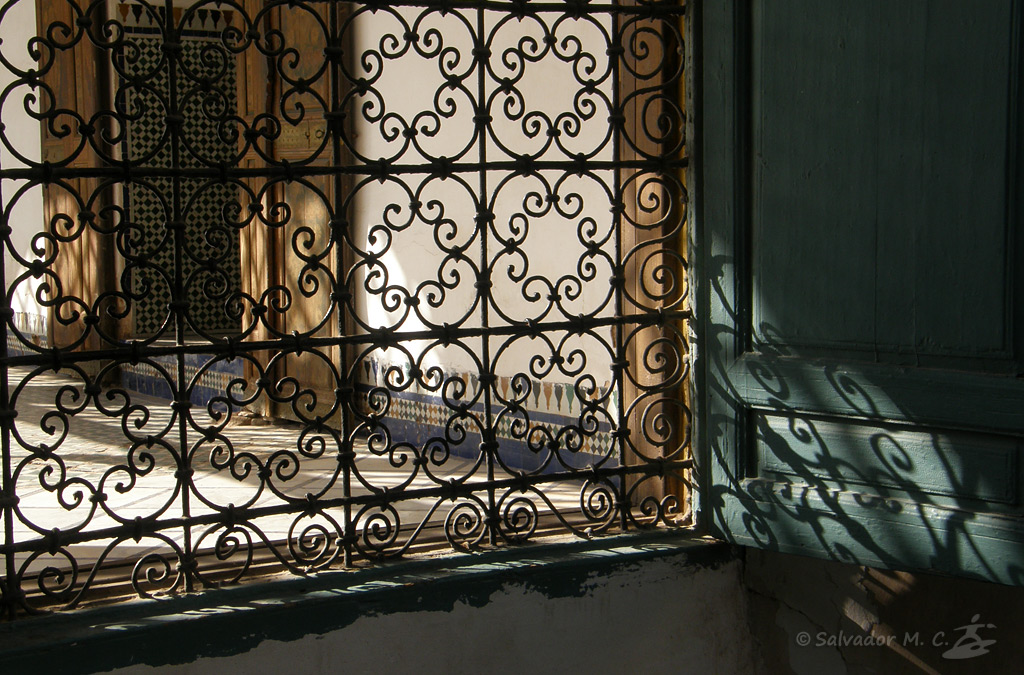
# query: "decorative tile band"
{"type": "Point", "coordinates": [214, 382]}
{"type": "Point", "coordinates": [417, 417]}
{"type": "Point", "coordinates": [552, 410]}
{"type": "Point", "coordinates": [209, 21]}
{"type": "Point", "coordinates": [552, 416]}
{"type": "Point", "coordinates": [31, 325]}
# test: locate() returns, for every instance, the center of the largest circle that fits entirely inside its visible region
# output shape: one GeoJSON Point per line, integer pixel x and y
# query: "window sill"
{"type": "Point", "coordinates": [223, 622]}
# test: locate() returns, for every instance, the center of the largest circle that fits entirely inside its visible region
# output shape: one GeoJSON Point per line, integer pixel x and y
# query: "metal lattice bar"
{"type": "Point", "coordinates": [299, 285]}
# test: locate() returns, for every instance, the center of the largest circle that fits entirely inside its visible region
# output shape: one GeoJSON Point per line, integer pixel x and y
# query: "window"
{"type": "Point", "coordinates": [300, 285]}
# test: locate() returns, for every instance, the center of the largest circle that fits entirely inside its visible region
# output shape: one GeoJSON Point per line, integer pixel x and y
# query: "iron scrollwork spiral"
{"type": "Point", "coordinates": [298, 283]}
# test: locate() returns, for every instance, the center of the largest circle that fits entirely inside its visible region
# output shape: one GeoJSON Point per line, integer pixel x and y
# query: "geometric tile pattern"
{"type": "Point", "coordinates": [207, 239]}
{"type": "Point", "coordinates": [418, 414]}
{"type": "Point", "coordinates": [217, 375]}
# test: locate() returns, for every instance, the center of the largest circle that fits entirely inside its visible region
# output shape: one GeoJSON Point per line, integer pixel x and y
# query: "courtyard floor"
{"type": "Point", "coordinates": [97, 478]}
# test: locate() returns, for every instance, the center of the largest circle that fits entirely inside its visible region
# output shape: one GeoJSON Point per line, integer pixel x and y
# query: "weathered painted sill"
{"type": "Point", "coordinates": [234, 620]}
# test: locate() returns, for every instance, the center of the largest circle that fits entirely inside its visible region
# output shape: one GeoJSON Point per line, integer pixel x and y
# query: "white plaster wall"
{"type": "Point", "coordinates": [651, 617]}
{"type": "Point", "coordinates": [413, 83]}
{"type": "Point", "coordinates": [17, 26]}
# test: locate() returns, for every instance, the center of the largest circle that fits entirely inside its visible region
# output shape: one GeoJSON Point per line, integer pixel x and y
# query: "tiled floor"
{"type": "Point", "coordinates": [93, 462]}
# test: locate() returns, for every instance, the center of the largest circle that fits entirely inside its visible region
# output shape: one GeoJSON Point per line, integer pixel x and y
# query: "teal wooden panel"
{"type": "Point", "coordinates": [876, 532]}
{"type": "Point", "coordinates": [879, 215]}
{"type": "Point", "coordinates": [858, 194]}
{"type": "Point", "coordinates": [889, 460]}
{"type": "Point", "coordinates": [925, 396]}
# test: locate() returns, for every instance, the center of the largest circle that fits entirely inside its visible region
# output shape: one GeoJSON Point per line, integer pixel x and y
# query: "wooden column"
{"type": "Point", "coordinates": [653, 241]}
{"type": "Point", "coordinates": [83, 265]}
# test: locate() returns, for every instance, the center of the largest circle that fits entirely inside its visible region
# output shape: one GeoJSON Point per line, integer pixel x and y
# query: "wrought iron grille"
{"type": "Point", "coordinates": [293, 285]}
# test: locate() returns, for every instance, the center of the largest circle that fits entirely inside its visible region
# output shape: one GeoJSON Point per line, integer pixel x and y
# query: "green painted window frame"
{"type": "Point", "coordinates": [917, 516]}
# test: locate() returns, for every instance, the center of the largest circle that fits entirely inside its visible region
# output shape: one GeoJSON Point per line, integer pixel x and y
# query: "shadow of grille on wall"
{"type": "Point", "coordinates": [317, 283]}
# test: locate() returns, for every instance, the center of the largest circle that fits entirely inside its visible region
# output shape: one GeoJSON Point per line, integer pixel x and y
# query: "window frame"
{"type": "Point", "coordinates": [192, 348]}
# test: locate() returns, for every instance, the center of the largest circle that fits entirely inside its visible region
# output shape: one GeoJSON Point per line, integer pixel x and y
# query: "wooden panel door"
{"type": "Point", "coordinates": [301, 257]}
